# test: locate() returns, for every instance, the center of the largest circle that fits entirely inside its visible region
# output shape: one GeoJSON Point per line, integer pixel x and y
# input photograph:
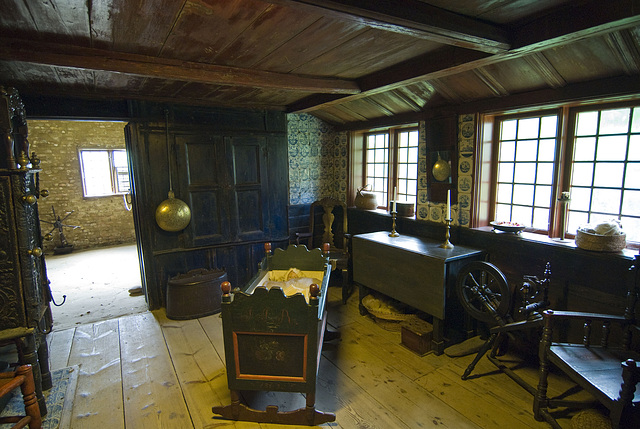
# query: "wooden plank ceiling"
{"type": "Point", "coordinates": [347, 62]}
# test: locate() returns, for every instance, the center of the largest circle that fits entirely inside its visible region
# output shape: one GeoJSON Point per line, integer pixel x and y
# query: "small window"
{"type": "Point", "coordinates": [104, 172]}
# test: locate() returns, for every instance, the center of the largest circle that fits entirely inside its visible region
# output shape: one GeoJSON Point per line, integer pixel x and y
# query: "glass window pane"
{"type": "Point", "coordinates": [503, 212]}
{"type": "Point", "coordinates": [612, 148]}
{"type": "Point", "coordinates": [412, 172]}
{"type": "Point", "coordinates": [614, 121]}
{"type": "Point", "coordinates": [582, 174]}
{"type": "Point", "coordinates": [634, 148]}
{"type": "Point", "coordinates": [543, 196]}
{"type": "Point", "coordinates": [505, 172]}
{"type": "Point", "coordinates": [507, 151]}
{"type": "Point", "coordinates": [580, 199]}
{"type": "Point", "coordinates": [605, 200]}
{"type": "Point", "coordinates": [402, 171]}
{"type": "Point", "coordinates": [631, 203]}
{"type": "Point", "coordinates": [119, 158]}
{"type": "Point", "coordinates": [584, 149]}
{"type": "Point", "coordinates": [504, 193]}
{"type": "Point", "coordinates": [587, 123]}
{"type": "Point", "coordinates": [548, 126]}
{"type": "Point", "coordinates": [545, 174]}
{"type": "Point", "coordinates": [632, 178]}
{"type": "Point", "coordinates": [526, 150]}
{"type": "Point", "coordinates": [528, 128]}
{"type": "Point", "coordinates": [635, 124]}
{"type": "Point", "coordinates": [631, 227]}
{"type": "Point", "coordinates": [508, 131]}
{"type": "Point", "coordinates": [547, 150]}
{"type": "Point", "coordinates": [522, 215]}
{"type": "Point", "coordinates": [525, 172]}
{"type": "Point", "coordinates": [403, 154]}
{"type": "Point", "coordinates": [608, 174]}
{"type": "Point", "coordinates": [575, 220]}
{"type": "Point", "coordinates": [523, 194]}
{"type": "Point", "coordinates": [96, 172]}
{"type": "Point", "coordinates": [541, 218]}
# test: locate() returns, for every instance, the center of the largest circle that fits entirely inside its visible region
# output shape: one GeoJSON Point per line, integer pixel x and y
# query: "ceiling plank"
{"type": "Point", "coordinates": [531, 38]}
{"type": "Point", "coordinates": [624, 47]}
{"type": "Point", "coordinates": [141, 65]}
{"type": "Point", "coordinates": [414, 18]}
{"type": "Point", "coordinates": [541, 64]}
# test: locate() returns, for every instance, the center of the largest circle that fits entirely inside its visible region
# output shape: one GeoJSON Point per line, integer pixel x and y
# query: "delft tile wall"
{"type": "Point", "coordinates": [318, 159]}
{"type": "Point", "coordinates": [460, 210]}
{"type": "Point", "coordinates": [466, 138]}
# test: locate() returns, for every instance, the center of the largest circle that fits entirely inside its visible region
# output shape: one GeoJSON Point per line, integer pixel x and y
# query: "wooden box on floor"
{"type": "Point", "coordinates": [416, 335]}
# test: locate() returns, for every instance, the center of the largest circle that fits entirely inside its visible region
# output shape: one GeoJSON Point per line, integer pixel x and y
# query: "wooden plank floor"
{"type": "Point", "coordinates": [148, 371]}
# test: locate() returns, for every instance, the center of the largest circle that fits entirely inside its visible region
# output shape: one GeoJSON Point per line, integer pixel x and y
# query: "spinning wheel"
{"type": "Point", "coordinates": [484, 292]}
{"type": "Point", "coordinates": [485, 295]}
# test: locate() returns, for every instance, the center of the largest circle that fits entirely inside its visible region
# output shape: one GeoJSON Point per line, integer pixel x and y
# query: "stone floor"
{"type": "Point", "coordinates": [96, 283]}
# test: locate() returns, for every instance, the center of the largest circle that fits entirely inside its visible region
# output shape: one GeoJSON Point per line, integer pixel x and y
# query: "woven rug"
{"type": "Point", "coordinates": [59, 400]}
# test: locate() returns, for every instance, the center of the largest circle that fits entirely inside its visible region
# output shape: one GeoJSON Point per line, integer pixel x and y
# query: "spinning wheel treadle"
{"type": "Point", "coordinates": [484, 292]}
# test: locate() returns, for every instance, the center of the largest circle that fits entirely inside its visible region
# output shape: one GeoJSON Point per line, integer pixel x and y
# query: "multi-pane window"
{"type": "Point", "coordinates": [104, 172]}
{"type": "Point", "coordinates": [391, 161]}
{"type": "Point", "coordinates": [527, 148]}
{"type": "Point", "coordinates": [605, 172]}
{"type": "Point", "coordinates": [377, 165]}
{"type": "Point", "coordinates": [407, 165]}
{"type": "Point", "coordinates": [597, 164]}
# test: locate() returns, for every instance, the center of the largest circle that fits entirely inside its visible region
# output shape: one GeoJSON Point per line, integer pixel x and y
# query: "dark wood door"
{"type": "Point", "coordinates": [247, 166]}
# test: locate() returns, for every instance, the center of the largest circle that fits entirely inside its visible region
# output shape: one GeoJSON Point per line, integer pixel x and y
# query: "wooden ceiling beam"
{"type": "Point", "coordinates": [414, 18]}
{"type": "Point", "coordinates": [141, 65]}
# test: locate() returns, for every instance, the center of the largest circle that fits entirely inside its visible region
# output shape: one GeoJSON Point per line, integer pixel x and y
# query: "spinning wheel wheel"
{"type": "Point", "coordinates": [484, 292]}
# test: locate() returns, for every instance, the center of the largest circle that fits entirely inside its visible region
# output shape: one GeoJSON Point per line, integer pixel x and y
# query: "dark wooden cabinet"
{"type": "Point", "coordinates": [231, 168]}
{"type": "Point", "coordinates": [24, 286]}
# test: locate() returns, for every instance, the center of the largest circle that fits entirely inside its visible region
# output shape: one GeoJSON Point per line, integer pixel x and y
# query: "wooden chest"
{"type": "Point", "coordinates": [417, 336]}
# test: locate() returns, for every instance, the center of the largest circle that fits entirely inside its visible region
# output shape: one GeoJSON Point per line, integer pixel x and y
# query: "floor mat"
{"type": "Point", "coordinates": [59, 400]}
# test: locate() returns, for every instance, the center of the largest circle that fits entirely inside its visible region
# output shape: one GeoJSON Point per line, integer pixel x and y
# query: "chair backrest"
{"type": "Point", "coordinates": [333, 226]}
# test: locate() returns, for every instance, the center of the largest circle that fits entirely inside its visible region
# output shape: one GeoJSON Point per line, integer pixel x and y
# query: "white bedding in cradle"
{"type": "Point", "coordinates": [291, 281]}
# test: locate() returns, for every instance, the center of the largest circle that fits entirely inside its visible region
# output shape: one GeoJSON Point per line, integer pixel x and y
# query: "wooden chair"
{"type": "Point", "coordinates": [22, 377]}
{"type": "Point", "coordinates": [608, 372]}
{"type": "Point", "coordinates": [24, 340]}
{"type": "Point", "coordinates": [332, 232]}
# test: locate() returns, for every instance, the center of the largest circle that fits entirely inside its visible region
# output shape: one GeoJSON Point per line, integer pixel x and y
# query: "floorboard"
{"type": "Point", "coordinates": [145, 370]}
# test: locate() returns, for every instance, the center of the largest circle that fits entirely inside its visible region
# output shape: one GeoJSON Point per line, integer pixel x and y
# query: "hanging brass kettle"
{"type": "Point", "coordinates": [172, 214]}
{"type": "Point", "coordinates": [441, 169]}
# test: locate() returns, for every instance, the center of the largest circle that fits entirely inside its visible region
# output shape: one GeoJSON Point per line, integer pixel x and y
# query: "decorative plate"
{"type": "Point", "coordinates": [507, 226]}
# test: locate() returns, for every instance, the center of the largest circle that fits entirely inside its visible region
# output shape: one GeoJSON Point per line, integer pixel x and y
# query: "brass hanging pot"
{"type": "Point", "coordinates": [172, 214]}
{"type": "Point", "coordinates": [441, 169]}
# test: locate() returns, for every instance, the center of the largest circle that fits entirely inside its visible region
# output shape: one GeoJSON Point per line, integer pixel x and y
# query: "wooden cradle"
{"type": "Point", "coordinates": [273, 342]}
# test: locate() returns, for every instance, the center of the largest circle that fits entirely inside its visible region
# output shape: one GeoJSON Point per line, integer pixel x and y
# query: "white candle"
{"type": "Point", "coordinates": [395, 197]}
{"type": "Point", "coordinates": [449, 204]}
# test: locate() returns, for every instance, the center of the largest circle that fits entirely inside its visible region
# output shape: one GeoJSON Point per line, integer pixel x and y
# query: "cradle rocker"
{"type": "Point", "coordinates": [273, 330]}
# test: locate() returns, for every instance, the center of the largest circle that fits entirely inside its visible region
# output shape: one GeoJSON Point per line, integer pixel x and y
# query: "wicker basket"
{"type": "Point", "coordinates": [600, 243]}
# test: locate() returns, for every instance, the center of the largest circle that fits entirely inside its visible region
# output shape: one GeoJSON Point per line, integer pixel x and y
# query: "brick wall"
{"type": "Point", "coordinates": [103, 221]}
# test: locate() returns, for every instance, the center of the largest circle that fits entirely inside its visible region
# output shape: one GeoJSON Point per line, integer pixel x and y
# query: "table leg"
{"type": "Point", "coordinates": [437, 341]}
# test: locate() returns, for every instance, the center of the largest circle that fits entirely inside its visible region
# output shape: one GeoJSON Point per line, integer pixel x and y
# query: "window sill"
{"type": "Point", "coordinates": [557, 243]}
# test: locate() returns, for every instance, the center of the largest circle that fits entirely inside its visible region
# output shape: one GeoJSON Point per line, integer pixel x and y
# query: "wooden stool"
{"type": "Point", "coordinates": [23, 378]}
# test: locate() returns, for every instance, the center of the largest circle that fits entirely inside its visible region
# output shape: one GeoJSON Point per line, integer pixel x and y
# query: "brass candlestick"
{"type": "Point", "coordinates": [393, 232]}
{"type": "Point", "coordinates": [447, 244]}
